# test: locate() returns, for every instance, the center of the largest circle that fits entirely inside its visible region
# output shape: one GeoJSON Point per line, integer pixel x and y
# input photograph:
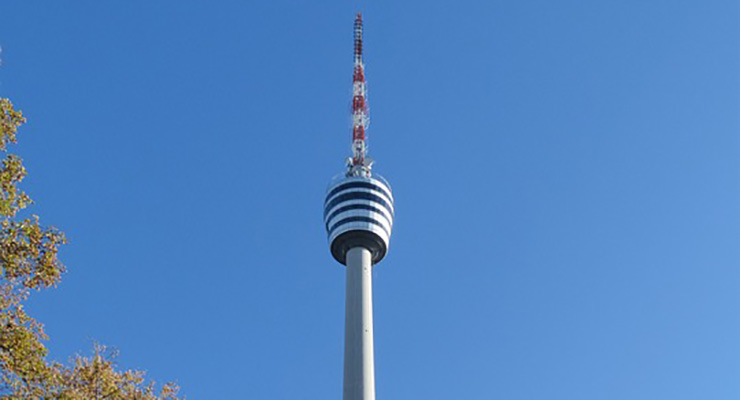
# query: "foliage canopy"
{"type": "Point", "coordinates": [29, 262]}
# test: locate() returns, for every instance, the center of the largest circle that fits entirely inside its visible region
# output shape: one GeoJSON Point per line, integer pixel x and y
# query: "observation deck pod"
{"type": "Point", "coordinates": [358, 212]}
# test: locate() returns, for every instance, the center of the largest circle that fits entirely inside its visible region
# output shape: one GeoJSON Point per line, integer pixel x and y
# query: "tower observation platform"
{"type": "Point", "coordinates": [358, 211]}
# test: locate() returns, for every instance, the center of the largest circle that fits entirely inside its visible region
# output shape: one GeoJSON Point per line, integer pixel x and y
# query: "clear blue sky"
{"type": "Point", "coordinates": [567, 181]}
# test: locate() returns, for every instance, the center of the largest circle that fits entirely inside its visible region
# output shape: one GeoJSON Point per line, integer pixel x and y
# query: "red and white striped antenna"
{"type": "Point", "coordinates": [359, 164]}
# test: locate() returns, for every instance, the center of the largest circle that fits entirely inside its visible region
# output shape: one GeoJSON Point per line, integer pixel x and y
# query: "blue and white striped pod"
{"type": "Point", "coordinates": [358, 211]}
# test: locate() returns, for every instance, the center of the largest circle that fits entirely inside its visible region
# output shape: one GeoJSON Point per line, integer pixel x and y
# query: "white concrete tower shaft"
{"type": "Point", "coordinates": [359, 357]}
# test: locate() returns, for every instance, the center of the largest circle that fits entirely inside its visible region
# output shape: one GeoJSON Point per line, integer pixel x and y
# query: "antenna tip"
{"type": "Point", "coordinates": [358, 37]}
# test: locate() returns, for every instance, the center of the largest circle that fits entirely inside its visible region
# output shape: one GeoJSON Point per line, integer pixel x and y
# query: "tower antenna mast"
{"type": "Point", "coordinates": [359, 164]}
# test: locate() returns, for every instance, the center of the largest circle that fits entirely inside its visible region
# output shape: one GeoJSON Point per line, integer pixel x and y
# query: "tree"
{"type": "Point", "coordinates": [29, 262]}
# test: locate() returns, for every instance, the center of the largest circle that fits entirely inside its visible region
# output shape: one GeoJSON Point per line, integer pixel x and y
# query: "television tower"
{"type": "Point", "coordinates": [358, 214]}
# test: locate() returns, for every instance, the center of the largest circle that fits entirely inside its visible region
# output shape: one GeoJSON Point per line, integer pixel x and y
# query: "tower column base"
{"type": "Point", "coordinates": [359, 359]}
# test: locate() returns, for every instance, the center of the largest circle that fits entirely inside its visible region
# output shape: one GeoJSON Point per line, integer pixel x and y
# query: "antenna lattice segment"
{"type": "Point", "coordinates": [359, 165]}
